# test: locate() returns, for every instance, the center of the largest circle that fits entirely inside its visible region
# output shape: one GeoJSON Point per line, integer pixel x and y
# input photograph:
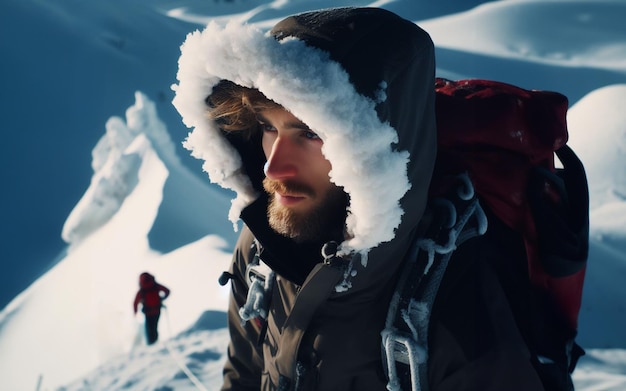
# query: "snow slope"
{"type": "Point", "coordinates": [67, 67]}
{"type": "Point", "coordinates": [592, 29]}
{"type": "Point", "coordinates": [597, 125]}
{"type": "Point", "coordinates": [80, 312]}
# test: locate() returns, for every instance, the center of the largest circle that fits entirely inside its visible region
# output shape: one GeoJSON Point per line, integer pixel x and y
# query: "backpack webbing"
{"type": "Point", "coordinates": [455, 218]}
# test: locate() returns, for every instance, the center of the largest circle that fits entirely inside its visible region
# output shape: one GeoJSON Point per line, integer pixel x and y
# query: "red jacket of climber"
{"type": "Point", "coordinates": [151, 295]}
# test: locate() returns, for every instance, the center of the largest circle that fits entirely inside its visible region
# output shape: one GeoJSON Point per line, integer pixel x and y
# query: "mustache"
{"type": "Point", "coordinates": [288, 187]}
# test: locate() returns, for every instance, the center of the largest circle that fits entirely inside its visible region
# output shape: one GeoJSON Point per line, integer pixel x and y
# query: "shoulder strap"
{"type": "Point", "coordinates": [456, 217]}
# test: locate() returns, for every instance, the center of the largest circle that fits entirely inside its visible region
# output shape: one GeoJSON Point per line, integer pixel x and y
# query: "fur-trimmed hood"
{"type": "Point", "coordinates": [361, 78]}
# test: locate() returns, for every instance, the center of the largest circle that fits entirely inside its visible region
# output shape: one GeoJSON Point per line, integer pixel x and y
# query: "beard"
{"type": "Point", "coordinates": [323, 221]}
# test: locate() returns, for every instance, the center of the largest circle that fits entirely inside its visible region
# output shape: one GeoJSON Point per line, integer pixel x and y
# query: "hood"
{"type": "Point", "coordinates": [361, 78]}
{"type": "Point", "coordinates": [146, 280]}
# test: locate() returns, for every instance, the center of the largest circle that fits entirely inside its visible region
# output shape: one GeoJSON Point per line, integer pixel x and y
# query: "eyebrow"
{"type": "Point", "coordinates": [294, 124]}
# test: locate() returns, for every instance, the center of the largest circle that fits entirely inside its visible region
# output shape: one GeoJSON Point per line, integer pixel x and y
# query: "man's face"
{"type": "Point", "coordinates": [304, 204]}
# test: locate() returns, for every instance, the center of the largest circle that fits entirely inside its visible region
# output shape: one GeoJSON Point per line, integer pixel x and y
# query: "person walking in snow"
{"type": "Point", "coordinates": [150, 295]}
{"type": "Point", "coordinates": [325, 129]}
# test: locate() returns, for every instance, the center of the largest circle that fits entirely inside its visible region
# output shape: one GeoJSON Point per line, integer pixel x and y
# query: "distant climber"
{"type": "Point", "coordinates": [151, 295]}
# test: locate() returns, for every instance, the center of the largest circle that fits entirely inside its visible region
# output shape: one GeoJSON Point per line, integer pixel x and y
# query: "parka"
{"type": "Point", "coordinates": [363, 80]}
{"type": "Point", "coordinates": [151, 295]}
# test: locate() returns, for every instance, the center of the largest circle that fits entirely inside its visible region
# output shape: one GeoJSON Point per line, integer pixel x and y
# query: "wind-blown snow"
{"type": "Point", "coordinates": [75, 326]}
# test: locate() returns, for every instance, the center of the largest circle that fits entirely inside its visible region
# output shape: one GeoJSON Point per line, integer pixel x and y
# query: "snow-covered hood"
{"type": "Point", "coordinates": [361, 78]}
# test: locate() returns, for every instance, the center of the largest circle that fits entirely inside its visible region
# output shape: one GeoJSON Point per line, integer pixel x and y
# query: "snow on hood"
{"type": "Point", "coordinates": [363, 150]}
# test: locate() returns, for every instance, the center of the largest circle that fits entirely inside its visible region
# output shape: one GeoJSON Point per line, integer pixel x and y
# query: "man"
{"type": "Point", "coordinates": [151, 295]}
{"type": "Point", "coordinates": [325, 129]}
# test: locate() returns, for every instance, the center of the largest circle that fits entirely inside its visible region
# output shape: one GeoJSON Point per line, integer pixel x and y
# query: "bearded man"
{"type": "Point", "coordinates": [325, 130]}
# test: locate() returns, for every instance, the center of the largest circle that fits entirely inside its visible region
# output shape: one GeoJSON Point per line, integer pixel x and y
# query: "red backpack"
{"type": "Point", "coordinates": [505, 137]}
{"type": "Point", "coordinates": [502, 139]}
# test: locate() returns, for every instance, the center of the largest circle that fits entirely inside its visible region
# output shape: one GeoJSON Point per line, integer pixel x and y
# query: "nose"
{"type": "Point", "coordinates": [282, 160]}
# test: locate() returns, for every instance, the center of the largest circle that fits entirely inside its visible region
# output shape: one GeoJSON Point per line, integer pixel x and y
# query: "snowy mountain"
{"type": "Point", "coordinates": [85, 301]}
{"type": "Point", "coordinates": [145, 206]}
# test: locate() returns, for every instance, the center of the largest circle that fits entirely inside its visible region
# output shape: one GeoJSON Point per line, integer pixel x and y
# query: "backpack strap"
{"type": "Point", "coordinates": [260, 280]}
{"type": "Point", "coordinates": [455, 217]}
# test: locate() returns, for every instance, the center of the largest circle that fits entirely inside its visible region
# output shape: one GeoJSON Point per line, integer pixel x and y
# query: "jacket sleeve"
{"type": "Point", "coordinates": [137, 301]}
{"type": "Point", "coordinates": [244, 363]}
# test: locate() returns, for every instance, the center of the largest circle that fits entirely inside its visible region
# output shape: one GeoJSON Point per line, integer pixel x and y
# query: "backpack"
{"type": "Point", "coordinates": [496, 166]}
{"type": "Point", "coordinates": [151, 299]}
{"type": "Point", "coordinates": [149, 291]}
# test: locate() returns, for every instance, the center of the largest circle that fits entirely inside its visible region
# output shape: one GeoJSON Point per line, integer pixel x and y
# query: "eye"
{"type": "Point", "coordinates": [311, 135]}
{"type": "Point", "coordinates": [265, 127]}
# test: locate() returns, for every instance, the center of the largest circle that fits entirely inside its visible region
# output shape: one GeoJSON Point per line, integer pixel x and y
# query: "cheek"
{"type": "Point", "coordinates": [326, 166]}
{"type": "Point", "coordinates": [267, 143]}
{"type": "Point", "coordinates": [321, 161]}
{"type": "Point", "coordinates": [321, 166]}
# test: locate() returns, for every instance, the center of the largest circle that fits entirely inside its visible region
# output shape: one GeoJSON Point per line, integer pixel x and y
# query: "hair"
{"type": "Point", "coordinates": [234, 107]}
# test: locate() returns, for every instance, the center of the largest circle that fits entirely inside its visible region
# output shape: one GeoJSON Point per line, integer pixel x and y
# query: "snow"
{"type": "Point", "coordinates": [595, 27]}
{"type": "Point", "coordinates": [144, 206]}
{"type": "Point", "coordinates": [596, 123]}
{"type": "Point", "coordinates": [91, 289]}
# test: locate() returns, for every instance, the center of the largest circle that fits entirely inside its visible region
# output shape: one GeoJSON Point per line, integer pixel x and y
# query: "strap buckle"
{"type": "Point", "coordinates": [402, 348]}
